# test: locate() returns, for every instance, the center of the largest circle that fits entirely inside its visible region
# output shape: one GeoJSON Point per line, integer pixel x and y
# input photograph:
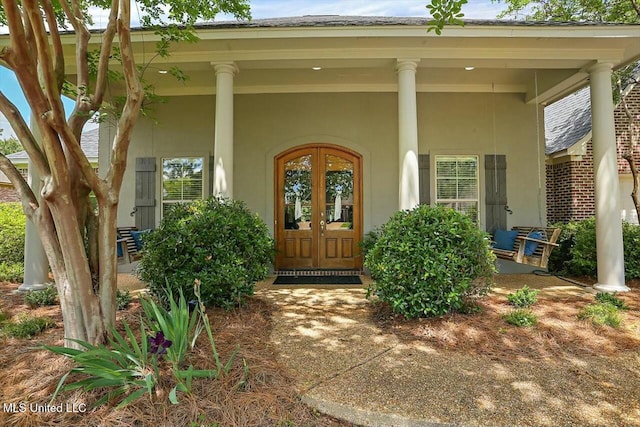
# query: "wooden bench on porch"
{"type": "Point", "coordinates": [129, 246]}
{"type": "Point", "coordinates": [540, 255]}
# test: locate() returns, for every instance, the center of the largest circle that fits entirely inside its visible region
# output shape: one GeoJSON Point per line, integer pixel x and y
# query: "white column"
{"type": "Point", "coordinates": [36, 265]}
{"type": "Point", "coordinates": [409, 191]}
{"type": "Point", "coordinates": [608, 222]}
{"type": "Point", "coordinates": [223, 149]}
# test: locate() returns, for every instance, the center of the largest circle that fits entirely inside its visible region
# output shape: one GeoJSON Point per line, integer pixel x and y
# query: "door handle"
{"type": "Point", "coordinates": [322, 226]}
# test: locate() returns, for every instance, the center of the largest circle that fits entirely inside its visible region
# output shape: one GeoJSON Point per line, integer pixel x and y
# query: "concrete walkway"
{"type": "Point", "coordinates": [349, 368]}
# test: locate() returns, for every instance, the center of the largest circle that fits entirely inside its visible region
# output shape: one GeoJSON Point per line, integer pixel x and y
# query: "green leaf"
{"type": "Point", "coordinates": [232, 358]}
{"type": "Point", "coordinates": [133, 396]}
{"type": "Point", "coordinates": [173, 398]}
{"type": "Point", "coordinates": [197, 373]}
{"type": "Point", "coordinates": [150, 382]}
{"type": "Point", "coordinates": [59, 387]}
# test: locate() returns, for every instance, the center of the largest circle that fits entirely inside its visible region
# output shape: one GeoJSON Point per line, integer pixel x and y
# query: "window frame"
{"type": "Point", "coordinates": [455, 201]}
{"type": "Point", "coordinates": [203, 179]}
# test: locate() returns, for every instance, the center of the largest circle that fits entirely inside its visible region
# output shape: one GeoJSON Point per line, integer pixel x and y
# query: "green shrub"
{"type": "Point", "coordinates": [561, 255]}
{"type": "Point", "coordinates": [612, 299]}
{"type": "Point", "coordinates": [129, 368]}
{"type": "Point", "coordinates": [631, 238]}
{"type": "Point", "coordinates": [217, 241]}
{"type": "Point", "coordinates": [524, 297]}
{"type": "Point", "coordinates": [521, 318]}
{"type": "Point", "coordinates": [369, 240]}
{"type": "Point", "coordinates": [123, 299]}
{"type": "Point", "coordinates": [11, 272]}
{"type": "Point", "coordinates": [576, 254]}
{"type": "Point", "coordinates": [28, 326]}
{"type": "Point", "coordinates": [583, 261]}
{"type": "Point", "coordinates": [12, 231]}
{"type": "Point", "coordinates": [601, 314]}
{"type": "Point", "coordinates": [428, 261]}
{"type": "Point", "coordinates": [41, 298]}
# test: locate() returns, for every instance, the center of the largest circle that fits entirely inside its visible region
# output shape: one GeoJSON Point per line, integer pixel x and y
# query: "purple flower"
{"type": "Point", "coordinates": [158, 344]}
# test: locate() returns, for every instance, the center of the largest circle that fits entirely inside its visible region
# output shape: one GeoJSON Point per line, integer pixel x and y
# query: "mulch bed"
{"type": "Point", "coordinates": [558, 334]}
{"type": "Point", "coordinates": [29, 374]}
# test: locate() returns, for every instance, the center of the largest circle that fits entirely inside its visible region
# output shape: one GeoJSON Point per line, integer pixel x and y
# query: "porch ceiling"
{"type": "Point", "coordinates": [507, 58]}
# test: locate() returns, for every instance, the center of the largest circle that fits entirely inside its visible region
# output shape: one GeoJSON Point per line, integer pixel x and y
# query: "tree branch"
{"type": "Point", "coordinates": [46, 66]}
{"type": "Point", "coordinates": [83, 106]}
{"type": "Point", "coordinates": [21, 56]}
{"type": "Point", "coordinates": [105, 54]}
{"type": "Point", "coordinates": [16, 31]}
{"type": "Point", "coordinates": [131, 109]}
{"type": "Point", "coordinates": [28, 199]}
{"type": "Point", "coordinates": [74, 148]}
{"type": "Point", "coordinates": [10, 111]}
{"type": "Point", "coordinates": [58, 53]}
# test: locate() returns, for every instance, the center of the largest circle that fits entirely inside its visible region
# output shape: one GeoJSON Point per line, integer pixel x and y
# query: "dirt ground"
{"type": "Point", "coordinates": [270, 397]}
{"type": "Point", "coordinates": [357, 360]}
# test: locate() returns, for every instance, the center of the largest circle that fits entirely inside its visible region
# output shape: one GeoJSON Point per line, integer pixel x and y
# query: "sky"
{"type": "Point", "coordinates": [474, 9]}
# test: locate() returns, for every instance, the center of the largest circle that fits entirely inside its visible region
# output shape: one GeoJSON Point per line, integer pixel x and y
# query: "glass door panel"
{"type": "Point", "coordinates": [338, 176]}
{"type": "Point", "coordinates": [298, 188]}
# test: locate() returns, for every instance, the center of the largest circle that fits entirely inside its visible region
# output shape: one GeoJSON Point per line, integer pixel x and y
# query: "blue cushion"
{"type": "Point", "coordinates": [531, 247]}
{"type": "Point", "coordinates": [119, 247]}
{"type": "Point", "coordinates": [505, 239]}
{"type": "Point", "coordinates": [137, 237]}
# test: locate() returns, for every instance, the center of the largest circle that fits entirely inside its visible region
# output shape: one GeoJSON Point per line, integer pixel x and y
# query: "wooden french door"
{"type": "Point", "coordinates": [318, 218]}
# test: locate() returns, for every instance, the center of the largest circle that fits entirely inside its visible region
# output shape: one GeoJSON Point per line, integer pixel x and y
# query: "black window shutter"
{"type": "Point", "coordinates": [495, 178]}
{"type": "Point", "coordinates": [425, 179]}
{"type": "Point", "coordinates": [145, 202]}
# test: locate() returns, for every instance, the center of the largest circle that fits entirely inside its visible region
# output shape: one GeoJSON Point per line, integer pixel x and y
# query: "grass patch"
{"type": "Point", "coordinates": [4, 316]}
{"type": "Point", "coordinates": [604, 297]}
{"type": "Point", "coordinates": [123, 299]}
{"type": "Point", "coordinates": [28, 326]}
{"type": "Point", "coordinates": [601, 314]}
{"type": "Point", "coordinates": [521, 318]}
{"type": "Point", "coordinates": [41, 298]}
{"type": "Point", "coordinates": [523, 298]}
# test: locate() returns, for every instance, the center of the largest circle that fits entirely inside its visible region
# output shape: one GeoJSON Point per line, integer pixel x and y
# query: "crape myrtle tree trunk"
{"type": "Point", "coordinates": [78, 238]}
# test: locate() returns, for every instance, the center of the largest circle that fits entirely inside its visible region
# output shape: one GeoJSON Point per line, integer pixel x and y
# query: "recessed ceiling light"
{"type": "Point", "coordinates": [469, 68]}
{"type": "Point", "coordinates": [316, 68]}
{"type": "Point", "coordinates": [163, 71]}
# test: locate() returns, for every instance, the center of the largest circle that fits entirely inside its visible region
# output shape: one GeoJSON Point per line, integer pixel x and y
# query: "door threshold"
{"type": "Point", "coordinates": [318, 272]}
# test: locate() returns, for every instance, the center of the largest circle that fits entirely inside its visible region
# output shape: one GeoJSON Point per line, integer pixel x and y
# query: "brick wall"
{"type": "Point", "coordinates": [570, 190]}
{"type": "Point", "coordinates": [8, 194]}
{"type": "Point", "coordinates": [570, 187]}
{"type": "Point", "coordinates": [622, 128]}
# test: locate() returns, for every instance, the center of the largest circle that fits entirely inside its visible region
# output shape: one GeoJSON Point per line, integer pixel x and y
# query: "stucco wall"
{"type": "Point", "coordinates": [181, 127]}
{"type": "Point", "coordinates": [463, 123]}
{"type": "Point", "coordinates": [268, 124]}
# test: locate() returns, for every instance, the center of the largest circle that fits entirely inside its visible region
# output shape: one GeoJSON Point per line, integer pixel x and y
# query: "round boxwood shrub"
{"type": "Point", "coordinates": [430, 261]}
{"type": "Point", "coordinates": [217, 241]}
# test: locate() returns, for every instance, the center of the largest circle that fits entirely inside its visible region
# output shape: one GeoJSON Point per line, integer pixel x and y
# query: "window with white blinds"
{"type": "Point", "coordinates": [182, 180]}
{"type": "Point", "coordinates": [457, 184]}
